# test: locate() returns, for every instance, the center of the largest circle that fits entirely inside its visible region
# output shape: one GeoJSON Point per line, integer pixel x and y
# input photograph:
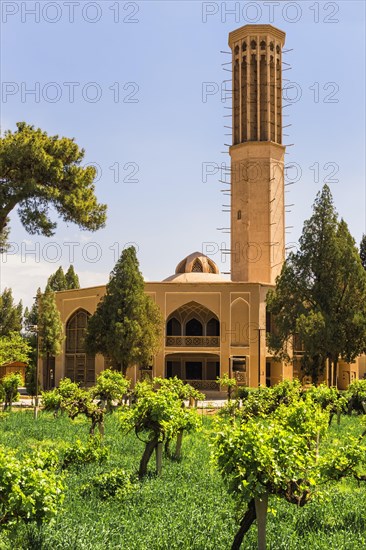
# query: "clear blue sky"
{"type": "Point", "coordinates": [160, 124]}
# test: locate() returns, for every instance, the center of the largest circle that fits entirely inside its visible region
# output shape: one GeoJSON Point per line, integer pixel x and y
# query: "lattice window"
{"type": "Point", "coordinates": [197, 266]}
{"type": "Point", "coordinates": [79, 366]}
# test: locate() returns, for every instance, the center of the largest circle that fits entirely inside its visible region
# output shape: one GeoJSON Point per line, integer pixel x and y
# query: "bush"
{"type": "Point", "coordinates": [31, 488]}
{"type": "Point", "coordinates": [356, 396]}
{"type": "Point", "coordinates": [10, 384]}
{"type": "Point", "coordinates": [78, 453]}
{"type": "Point", "coordinates": [116, 483]}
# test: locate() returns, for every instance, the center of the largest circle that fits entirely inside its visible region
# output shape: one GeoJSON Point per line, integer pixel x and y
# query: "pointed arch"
{"type": "Point", "coordinates": [239, 322]}
{"type": "Point", "coordinates": [79, 365]}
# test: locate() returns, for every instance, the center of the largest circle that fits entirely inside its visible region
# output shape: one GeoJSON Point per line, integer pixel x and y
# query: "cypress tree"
{"type": "Point", "coordinates": [57, 281]}
{"type": "Point", "coordinates": [127, 325]}
{"type": "Point", "coordinates": [50, 330]}
{"type": "Point", "coordinates": [320, 295]}
{"type": "Point", "coordinates": [363, 251]}
{"type": "Point", "coordinates": [11, 315]}
{"type": "Point", "coordinates": [72, 280]}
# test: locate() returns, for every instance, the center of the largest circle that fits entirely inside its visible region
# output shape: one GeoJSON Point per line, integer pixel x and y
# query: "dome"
{"type": "Point", "coordinates": [196, 268]}
{"type": "Point", "coordinates": [197, 263]}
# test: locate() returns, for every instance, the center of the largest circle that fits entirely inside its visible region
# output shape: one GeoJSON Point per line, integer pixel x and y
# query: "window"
{"type": "Point", "coordinates": [197, 266]}
{"type": "Point", "coordinates": [193, 370]}
{"type": "Point", "coordinates": [194, 328]}
{"type": "Point", "coordinates": [213, 327]}
{"type": "Point", "coordinates": [173, 327]}
{"type": "Point", "coordinates": [79, 366]}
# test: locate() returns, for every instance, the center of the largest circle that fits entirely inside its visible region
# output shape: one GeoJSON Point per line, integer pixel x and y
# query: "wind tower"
{"type": "Point", "coordinates": [257, 155]}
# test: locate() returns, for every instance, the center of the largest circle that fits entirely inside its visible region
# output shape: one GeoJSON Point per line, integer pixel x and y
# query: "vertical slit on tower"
{"type": "Point", "coordinates": [253, 99]}
{"type": "Point", "coordinates": [263, 98]}
{"type": "Point", "coordinates": [244, 100]}
{"type": "Point", "coordinates": [272, 98]}
{"type": "Point", "coordinates": [279, 92]}
{"type": "Point", "coordinates": [236, 94]}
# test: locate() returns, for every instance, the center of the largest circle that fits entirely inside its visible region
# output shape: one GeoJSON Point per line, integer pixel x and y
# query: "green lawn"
{"type": "Point", "coordinates": [186, 508]}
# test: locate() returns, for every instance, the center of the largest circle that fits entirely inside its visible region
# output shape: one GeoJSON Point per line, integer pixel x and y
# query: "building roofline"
{"type": "Point", "coordinates": [251, 30]}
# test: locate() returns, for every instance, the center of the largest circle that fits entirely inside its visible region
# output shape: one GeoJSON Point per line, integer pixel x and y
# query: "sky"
{"type": "Point", "coordinates": [140, 86]}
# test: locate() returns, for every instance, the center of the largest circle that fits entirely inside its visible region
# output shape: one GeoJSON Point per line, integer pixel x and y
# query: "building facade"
{"type": "Point", "coordinates": [214, 325]}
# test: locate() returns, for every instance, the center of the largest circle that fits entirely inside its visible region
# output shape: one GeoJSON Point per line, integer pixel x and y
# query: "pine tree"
{"type": "Point", "coordinates": [57, 281]}
{"type": "Point", "coordinates": [39, 171]}
{"type": "Point", "coordinates": [320, 295]}
{"type": "Point", "coordinates": [10, 314]}
{"type": "Point", "coordinates": [127, 325]}
{"type": "Point", "coordinates": [50, 330]}
{"type": "Point", "coordinates": [363, 251]}
{"type": "Point", "coordinates": [72, 280]}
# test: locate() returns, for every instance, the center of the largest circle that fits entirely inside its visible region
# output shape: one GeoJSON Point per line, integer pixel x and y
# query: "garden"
{"type": "Point", "coordinates": [65, 487]}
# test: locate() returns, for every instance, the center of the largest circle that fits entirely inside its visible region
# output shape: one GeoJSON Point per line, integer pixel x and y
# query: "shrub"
{"type": "Point", "coordinates": [116, 483]}
{"type": "Point", "coordinates": [31, 488]}
{"type": "Point", "coordinates": [10, 384]}
{"type": "Point", "coordinates": [78, 453]}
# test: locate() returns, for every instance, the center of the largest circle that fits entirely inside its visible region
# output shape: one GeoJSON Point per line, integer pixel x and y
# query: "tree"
{"type": "Point", "coordinates": [127, 325]}
{"type": "Point", "coordinates": [57, 281]}
{"type": "Point", "coordinates": [38, 171]}
{"type": "Point", "coordinates": [72, 280]}
{"type": "Point", "coordinates": [158, 416]}
{"type": "Point", "coordinates": [320, 296]}
{"type": "Point", "coordinates": [279, 453]}
{"type": "Point", "coordinates": [110, 386]}
{"type": "Point", "coordinates": [363, 251]}
{"type": "Point", "coordinates": [31, 315]}
{"type": "Point", "coordinates": [10, 314]}
{"type": "Point", "coordinates": [50, 330]}
{"type": "Point", "coordinates": [14, 348]}
{"type": "Point", "coordinates": [10, 384]}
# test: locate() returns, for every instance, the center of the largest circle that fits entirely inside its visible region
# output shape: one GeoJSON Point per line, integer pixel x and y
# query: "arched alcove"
{"type": "Point", "coordinates": [79, 365]}
{"type": "Point", "coordinates": [239, 329]}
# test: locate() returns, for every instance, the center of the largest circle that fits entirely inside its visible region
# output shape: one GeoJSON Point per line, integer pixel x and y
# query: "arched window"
{"type": "Point", "coordinates": [194, 328]}
{"type": "Point", "coordinates": [79, 366]}
{"type": "Point", "coordinates": [236, 50]}
{"type": "Point", "coordinates": [213, 327]}
{"type": "Point", "coordinates": [173, 327]}
{"type": "Point", "coordinates": [263, 45]}
{"type": "Point", "coordinates": [253, 44]}
{"type": "Point", "coordinates": [244, 47]}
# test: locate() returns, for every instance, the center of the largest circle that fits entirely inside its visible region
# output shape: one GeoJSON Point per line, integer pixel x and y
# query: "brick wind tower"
{"type": "Point", "coordinates": [257, 155]}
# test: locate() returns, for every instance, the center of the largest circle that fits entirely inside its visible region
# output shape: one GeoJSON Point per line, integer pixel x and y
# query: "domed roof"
{"type": "Point", "coordinates": [197, 263]}
{"type": "Point", "coordinates": [196, 268]}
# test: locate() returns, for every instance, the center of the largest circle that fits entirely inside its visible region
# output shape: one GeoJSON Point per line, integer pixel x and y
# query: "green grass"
{"type": "Point", "coordinates": [188, 507]}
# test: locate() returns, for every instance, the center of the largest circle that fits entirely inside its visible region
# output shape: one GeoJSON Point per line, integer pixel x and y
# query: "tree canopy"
{"type": "Point", "coordinates": [49, 325]}
{"type": "Point", "coordinates": [38, 171]}
{"type": "Point", "coordinates": [127, 325]}
{"type": "Point", "coordinates": [14, 348]}
{"type": "Point", "coordinates": [320, 296]}
{"type": "Point", "coordinates": [72, 279]}
{"type": "Point", "coordinates": [10, 313]}
{"type": "Point", "coordinates": [61, 281]}
{"type": "Point", "coordinates": [363, 251]}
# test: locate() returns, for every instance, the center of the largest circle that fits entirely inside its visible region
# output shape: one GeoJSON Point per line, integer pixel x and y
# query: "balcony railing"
{"type": "Point", "coordinates": [193, 341]}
